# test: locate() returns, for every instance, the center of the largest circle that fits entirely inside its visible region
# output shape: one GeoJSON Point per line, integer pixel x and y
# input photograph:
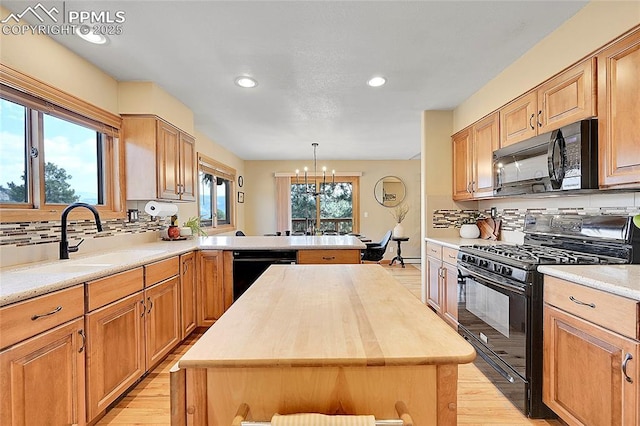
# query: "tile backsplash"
{"type": "Point", "coordinates": [513, 219]}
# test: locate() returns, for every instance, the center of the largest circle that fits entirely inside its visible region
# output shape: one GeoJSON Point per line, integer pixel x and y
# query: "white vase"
{"type": "Point", "coordinates": [398, 230]}
{"type": "Point", "coordinates": [469, 230]}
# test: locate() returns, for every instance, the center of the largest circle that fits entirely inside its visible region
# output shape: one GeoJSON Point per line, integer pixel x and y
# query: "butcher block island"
{"type": "Point", "coordinates": [331, 339]}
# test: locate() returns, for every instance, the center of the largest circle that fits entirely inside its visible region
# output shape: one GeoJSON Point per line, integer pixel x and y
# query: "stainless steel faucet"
{"type": "Point", "coordinates": [64, 244]}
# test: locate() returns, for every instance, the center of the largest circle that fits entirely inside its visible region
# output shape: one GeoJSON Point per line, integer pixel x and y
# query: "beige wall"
{"type": "Point", "coordinates": [41, 57]}
{"type": "Point", "coordinates": [260, 197]}
{"type": "Point", "coordinates": [592, 27]}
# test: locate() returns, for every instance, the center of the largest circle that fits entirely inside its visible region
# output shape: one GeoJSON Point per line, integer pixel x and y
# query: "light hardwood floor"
{"type": "Point", "coordinates": [479, 402]}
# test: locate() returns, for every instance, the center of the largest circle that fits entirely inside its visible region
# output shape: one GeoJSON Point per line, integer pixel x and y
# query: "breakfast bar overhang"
{"type": "Point", "coordinates": [332, 339]}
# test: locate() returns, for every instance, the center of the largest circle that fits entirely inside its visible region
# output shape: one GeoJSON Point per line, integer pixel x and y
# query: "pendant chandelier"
{"type": "Point", "coordinates": [315, 192]}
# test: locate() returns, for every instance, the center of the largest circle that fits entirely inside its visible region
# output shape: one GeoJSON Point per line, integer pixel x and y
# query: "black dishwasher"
{"type": "Point", "coordinates": [248, 265]}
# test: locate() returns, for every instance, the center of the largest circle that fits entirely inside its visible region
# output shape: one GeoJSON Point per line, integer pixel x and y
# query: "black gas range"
{"type": "Point", "coordinates": [500, 294]}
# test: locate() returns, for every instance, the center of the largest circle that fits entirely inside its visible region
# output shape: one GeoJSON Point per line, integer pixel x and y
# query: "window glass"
{"type": "Point", "coordinates": [13, 153]}
{"type": "Point", "coordinates": [336, 208]}
{"type": "Point", "coordinates": [71, 162]}
{"type": "Point", "coordinates": [206, 194]}
{"type": "Point", "coordinates": [222, 201]}
{"type": "Point", "coordinates": [303, 207]}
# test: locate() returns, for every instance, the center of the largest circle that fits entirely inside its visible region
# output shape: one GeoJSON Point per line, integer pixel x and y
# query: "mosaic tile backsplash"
{"type": "Point", "coordinates": [31, 233]}
{"type": "Point", "coordinates": [513, 219]}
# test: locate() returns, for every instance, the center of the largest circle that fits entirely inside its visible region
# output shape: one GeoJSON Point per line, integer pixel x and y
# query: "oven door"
{"type": "Point", "coordinates": [495, 313]}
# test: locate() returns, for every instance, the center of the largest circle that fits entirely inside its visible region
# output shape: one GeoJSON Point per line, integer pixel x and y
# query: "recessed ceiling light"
{"type": "Point", "coordinates": [246, 82]}
{"type": "Point", "coordinates": [376, 81]}
{"type": "Point", "coordinates": [85, 33]}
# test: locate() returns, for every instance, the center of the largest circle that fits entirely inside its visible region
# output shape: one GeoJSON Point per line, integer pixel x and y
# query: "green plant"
{"type": "Point", "coordinates": [194, 224]}
{"type": "Point", "coordinates": [399, 212]}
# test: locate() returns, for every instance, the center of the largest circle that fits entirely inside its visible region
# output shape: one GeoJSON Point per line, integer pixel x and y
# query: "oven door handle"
{"type": "Point", "coordinates": [493, 364]}
{"type": "Point", "coordinates": [485, 280]}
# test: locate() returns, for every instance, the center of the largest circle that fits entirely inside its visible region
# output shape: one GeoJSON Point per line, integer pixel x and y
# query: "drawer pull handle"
{"type": "Point", "coordinates": [627, 358]}
{"type": "Point", "coordinates": [55, 311]}
{"type": "Point", "coordinates": [328, 257]}
{"type": "Point", "coordinates": [574, 300]}
{"type": "Point", "coordinates": [84, 340]}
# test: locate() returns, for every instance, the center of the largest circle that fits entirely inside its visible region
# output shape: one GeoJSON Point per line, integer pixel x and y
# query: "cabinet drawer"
{"type": "Point", "coordinates": [434, 250]}
{"type": "Point", "coordinates": [608, 310]}
{"type": "Point", "coordinates": [30, 317]}
{"type": "Point", "coordinates": [109, 289]}
{"type": "Point", "coordinates": [160, 271]}
{"type": "Point", "coordinates": [449, 255]}
{"type": "Point", "coordinates": [328, 256]}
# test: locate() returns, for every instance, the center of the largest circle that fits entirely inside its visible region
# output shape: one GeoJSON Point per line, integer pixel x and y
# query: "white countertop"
{"type": "Point", "coordinates": [457, 242]}
{"type": "Point", "coordinates": [22, 282]}
{"type": "Point", "coordinates": [623, 280]}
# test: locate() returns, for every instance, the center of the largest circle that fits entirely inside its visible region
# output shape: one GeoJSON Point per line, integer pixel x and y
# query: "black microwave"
{"type": "Point", "coordinates": [563, 160]}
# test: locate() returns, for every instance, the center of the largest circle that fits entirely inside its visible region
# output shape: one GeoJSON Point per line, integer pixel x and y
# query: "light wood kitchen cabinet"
{"type": "Point", "coordinates": [442, 281]}
{"type": "Point", "coordinates": [215, 285]}
{"type": "Point", "coordinates": [619, 109]}
{"type": "Point", "coordinates": [162, 320]}
{"type": "Point", "coordinates": [564, 99]}
{"type": "Point", "coordinates": [160, 160]}
{"type": "Point", "coordinates": [585, 349]}
{"type": "Point", "coordinates": [42, 378]}
{"type": "Point", "coordinates": [473, 159]}
{"type": "Point", "coordinates": [187, 294]}
{"type": "Point", "coordinates": [115, 351]}
{"type": "Point", "coordinates": [321, 257]}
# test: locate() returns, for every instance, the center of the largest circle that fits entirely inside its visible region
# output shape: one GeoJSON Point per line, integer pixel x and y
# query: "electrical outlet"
{"type": "Point", "coordinates": [390, 249]}
{"type": "Point", "coordinates": [494, 212]}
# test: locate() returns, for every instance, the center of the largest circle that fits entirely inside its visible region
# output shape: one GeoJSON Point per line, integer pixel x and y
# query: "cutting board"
{"type": "Point", "coordinates": [489, 228]}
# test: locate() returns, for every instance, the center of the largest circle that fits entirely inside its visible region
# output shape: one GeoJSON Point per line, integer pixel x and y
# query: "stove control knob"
{"type": "Point", "coordinates": [483, 263]}
{"type": "Point", "coordinates": [506, 270]}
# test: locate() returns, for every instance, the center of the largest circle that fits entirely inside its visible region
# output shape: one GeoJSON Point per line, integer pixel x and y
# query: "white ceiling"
{"type": "Point", "coordinates": [312, 60]}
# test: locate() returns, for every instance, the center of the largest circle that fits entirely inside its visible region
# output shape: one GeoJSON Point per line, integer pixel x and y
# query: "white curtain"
{"type": "Point", "coordinates": [283, 203]}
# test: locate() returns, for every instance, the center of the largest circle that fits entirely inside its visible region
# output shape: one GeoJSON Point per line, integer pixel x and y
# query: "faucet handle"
{"type": "Point", "coordinates": [74, 249]}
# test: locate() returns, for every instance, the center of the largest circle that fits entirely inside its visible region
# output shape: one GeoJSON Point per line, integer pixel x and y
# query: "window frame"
{"type": "Point", "coordinates": [218, 169]}
{"type": "Point", "coordinates": [40, 98]}
{"type": "Point", "coordinates": [355, 182]}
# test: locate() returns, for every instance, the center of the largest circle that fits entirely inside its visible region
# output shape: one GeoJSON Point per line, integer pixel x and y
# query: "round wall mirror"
{"type": "Point", "coordinates": [390, 191]}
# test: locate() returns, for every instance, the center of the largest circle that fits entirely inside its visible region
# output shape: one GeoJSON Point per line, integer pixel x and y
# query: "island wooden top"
{"type": "Point", "coordinates": [327, 315]}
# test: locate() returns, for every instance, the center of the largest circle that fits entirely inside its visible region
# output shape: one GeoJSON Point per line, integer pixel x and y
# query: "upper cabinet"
{"type": "Point", "coordinates": [473, 159]}
{"type": "Point", "coordinates": [619, 111]}
{"type": "Point", "coordinates": [160, 160]}
{"type": "Point", "coordinates": [561, 100]}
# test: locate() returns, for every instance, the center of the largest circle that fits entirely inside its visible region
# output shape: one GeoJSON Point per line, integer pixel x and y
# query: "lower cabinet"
{"type": "Point", "coordinates": [590, 372]}
{"type": "Point", "coordinates": [187, 294]}
{"type": "Point", "coordinates": [43, 378]}
{"type": "Point", "coordinates": [214, 286]}
{"type": "Point", "coordinates": [328, 256]}
{"type": "Point", "coordinates": [442, 282]}
{"type": "Point", "coordinates": [162, 320]}
{"type": "Point", "coordinates": [115, 351]}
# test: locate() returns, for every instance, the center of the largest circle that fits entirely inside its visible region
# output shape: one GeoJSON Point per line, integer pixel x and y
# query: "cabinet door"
{"type": "Point", "coordinates": [210, 283]}
{"type": "Point", "coordinates": [485, 141]}
{"type": "Point", "coordinates": [162, 320]}
{"type": "Point", "coordinates": [618, 112]}
{"type": "Point", "coordinates": [517, 119]}
{"type": "Point", "coordinates": [168, 161]}
{"type": "Point", "coordinates": [42, 379]}
{"type": "Point", "coordinates": [583, 380]}
{"type": "Point", "coordinates": [462, 164]}
{"type": "Point", "coordinates": [567, 98]}
{"type": "Point", "coordinates": [450, 302]}
{"type": "Point", "coordinates": [434, 286]}
{"type": "Point", "coordinates": [187, 168]}
{"type": "Point", "coordinates": [187, 294]}
{"type": "Point", "coordinates": [115, 351]}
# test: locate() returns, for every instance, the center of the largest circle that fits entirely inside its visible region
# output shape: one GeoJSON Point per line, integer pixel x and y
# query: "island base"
{"type": "Point", "coordinates": [211, 396]}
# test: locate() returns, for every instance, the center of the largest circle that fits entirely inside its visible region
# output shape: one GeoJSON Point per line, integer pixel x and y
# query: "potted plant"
{"type": "Point", "coordinates": [468, 226]}
{"type": "Point", "coordinates": [192, 227]}
{"type": "Point", "coordinates": [399, 212]}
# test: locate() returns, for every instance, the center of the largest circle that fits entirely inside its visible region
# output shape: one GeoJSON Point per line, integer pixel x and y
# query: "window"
{"type": "Point", "coordinates": [215, 195]}
{"type": "Point", "coordinates": [51, 156]}
{"type": "Point", "coordinates": [335, 209]}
